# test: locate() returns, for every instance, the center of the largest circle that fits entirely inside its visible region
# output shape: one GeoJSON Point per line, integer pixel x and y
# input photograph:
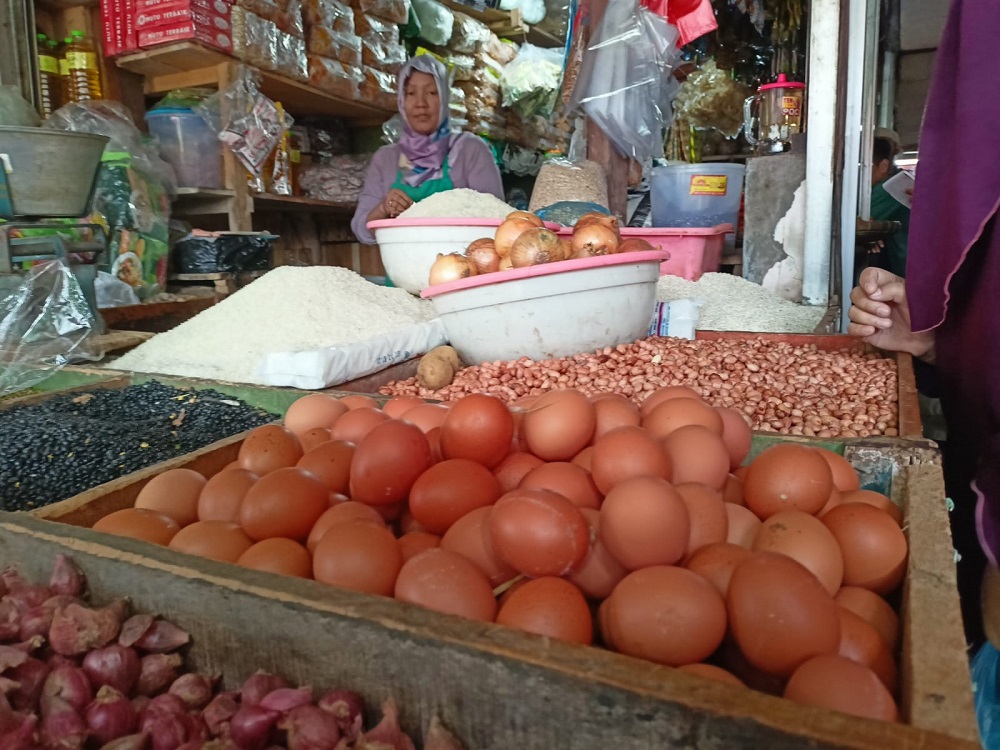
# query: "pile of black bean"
{"type": "Point", "coordinates": [65, 445]}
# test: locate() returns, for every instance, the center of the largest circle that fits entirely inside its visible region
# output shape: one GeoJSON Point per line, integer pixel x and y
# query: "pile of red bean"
{"type": "Point", "coordinates": [793, 390]}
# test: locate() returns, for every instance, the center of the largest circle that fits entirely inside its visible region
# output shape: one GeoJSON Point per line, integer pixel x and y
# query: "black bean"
{"type": "Point", "coordinates": [67, 444]}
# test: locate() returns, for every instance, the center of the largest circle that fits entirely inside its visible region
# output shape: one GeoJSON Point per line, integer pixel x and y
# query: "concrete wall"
{"type": "Point", "coordinates": [921, 24]}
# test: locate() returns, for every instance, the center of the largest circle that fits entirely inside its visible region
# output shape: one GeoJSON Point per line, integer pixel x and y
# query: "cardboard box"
{"type": "Point", "coordinates": [110, 22]}
{"type": "Point", "coordinates": [219, 7]}
{"type": "Point", "coordinates": [147, 19]}
{"type": "Point", "coordinates": [184, 31]}
{"type": "Point", "coordinates": [130, 41]}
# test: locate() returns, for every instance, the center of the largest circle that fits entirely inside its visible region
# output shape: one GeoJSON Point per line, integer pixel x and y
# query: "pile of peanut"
{"type": "Point", "coordinates": [793, 390]}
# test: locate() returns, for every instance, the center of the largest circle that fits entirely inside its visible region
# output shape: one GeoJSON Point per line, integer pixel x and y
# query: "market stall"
{"type": "Point", "coordinates": [452, 346]}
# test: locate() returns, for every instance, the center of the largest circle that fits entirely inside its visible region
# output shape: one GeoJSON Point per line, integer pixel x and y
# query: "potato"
{"type": "Point", "coordinates": [435, 372]}
{"type": "Point", "coordinates": [449, 355]}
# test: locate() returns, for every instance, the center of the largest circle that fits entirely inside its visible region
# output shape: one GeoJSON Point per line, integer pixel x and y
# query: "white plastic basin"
{"type": "Point", "coordinates": [551, 310]}
{"type": "Point", "coordinates": [409, 247]}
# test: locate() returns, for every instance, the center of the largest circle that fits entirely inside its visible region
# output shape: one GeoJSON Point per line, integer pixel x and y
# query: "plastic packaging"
{"type": "Point", "coordinates": [463, 67]}
{"type": "Point", "coordinates": [287, 19]}
{"type": "Point", "coordinates": [290, 59]}
{"type": "Point", "coordinates": [394, 11]}
{"type": "Point", "coordinates": [45, 324]}
{"type": "Point", "coordinates": [676, 319]}
{"type": "Point", "coordinates": [386, 57]}
{"type": "Point", "coordinates": [378, 88]}
{"type": "Point", "coordinates": [533, 11]}
{"type": "Point", "coordinates": [15, 111]}
{"type": "Point", "coordinates": [502, 50]}
{"type": "Point", "coordinates": [468, 34]}
{"type": "Point", "coordinates": [561, 180]}
{"type": "Point", "coordinates": [710, 98]}
{"type": "Point", "coordinates": [370, 27]}
{"type": "Point", "coordinates": [189, 145]}
{"type": "Point", "coordinates": [246, 120]}
{"type": "Point", "coordinates": [325, 139]}
{"type": "Point", "coordinates": [531, 83]}
{"type": "Point", "coordinates": [392, 129]}
{"type": "Point", "coordinates": [255, 39]}
{"type": "Point", "coordinates": [336, 45]}
{"type": "Point", "coordinates": [339, 181]}
{"type": "Point", "coordinates": [223, 253]}
{"type": "Point", "coordinates": [557, 17]}
{"type": "Point", "coordinates": [436, 21]}
{"type": "Point", "coordinates": [113, 292]}
{"type": "Point", "coordinates": [335, 78]}
{"type": "Point", "coordinates": [323, 368]}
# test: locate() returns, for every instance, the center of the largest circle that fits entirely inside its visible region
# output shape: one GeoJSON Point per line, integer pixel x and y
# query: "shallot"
{"type": "Point", "coordinates": [69, 685]}
{"type": "Point", "coordinates": [10, 619]}
{"type": "Point", "coordinates": [113, 665]}
{"type": "Point", "coordinates": [156, 673]}
{"type": "Point", "coordinates": [22, 736]}
{"type": "Point", "coordinates": [162, 637]}
{"type": "Point", "coordinates": [310, 728]}
{"type": "Point", "coordinates": [30, 678]}
{"type": "Point", "coordinates": [132, 742]}
{"type": "Point", "coordinates": [284, 700]}
{"type": "Point", "coordinates": [259, 685]}
{"type": "Point", "coordinates": [252, 726]}
{"type": "Point", "coordinates": [134, 628]}
{"type": "Point", "coordinates": [67, 579]}
{"type": "Point", "coordinates": [387, 731]}
{"type": "Point", "coordinates": [439, 738]}
{"type": "Point", "coordinates": [110, 716]}
{"type": "Point", "coordinates": [348, 708]}
{"type": "Point", "coordinates": [36, 621]}
{"type": "Point", "coordinates": [219, 711]}
{"type": "Point", "coordinates": [194, 689]}
{"type": "Point", "coordinates": [77, 629]}
{"type": "Point", "coordinates": [63, 728]}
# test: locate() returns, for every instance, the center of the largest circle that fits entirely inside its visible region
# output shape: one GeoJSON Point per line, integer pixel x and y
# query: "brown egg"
{"type": "Point", "coordinates": [874, 547]}
{"type": "Point", "coordinates": [860, 642]}
{"type": "Point", "coordinates": [478, 428]}
{"type": "Point", "coordinates": [314, 438]}
{"type": "Point", "coordinates": [736, 436]}
{"type": "Point", "coordinates": [360, 556]}
{"type": "Point", "coordinates": [842, 685]}
{"type": "Point", "coordinates": [779, 613]}
{"type": "Point", "coordinates": [342, 513]}
{"type": "Point", "coordinates": [626, 453]}
{"type": "Point", "coordinates": [539, 533]}
{"type": "Point", "coordinates": [566, 479]}
{"type": "Point", "coordinates": [138, 523]}
{"type": "Point", "coordinates": [358, 401]}
{"type": "Point", "coordinates": [426, 416]}
{"type": "Point", "coordinates": [286, 502]}
{"type": "Point", "coordinates": [269, 448]}
{"type": "Point", "coordinates": [613, 411]}
{"type": "Point", "coordinates": [222, 495]}
{"type": "Point", "coordinates": [743, 525]}
{"type": "Point", "coordinates": [387, 462]}
{"type": "Point", "coordinates": [806, 540]}
{"type": "Point", "coordinates": [278, 555]}
{"type": "Point", "coordinates": [644, 522]}
{"type": "Point", "coordinates": [357, 423]}
{"type": "Point", "coordinates": [514, 468]}
{"type": "Point", "coordinates": [874, 610]}
{"type": "Point", "coordinates": [412, 544]}
{"type": "Point", "coordinates": [876, 499]}
{"type": "Point", "coordinates": [173, 493]}
{"type": "Point", "coordinates": [317, 410]}
{"type": "Point", "coordinates": [733, 491]}
{"type": "Point", "coordinates": [681, 412]}
{"type": "Point", "coordinates": [741, 473]}
{"type": "Point", "coordinates": [711, 672]}
{"type": "Point", "coordinates": [730, 658]}
{"type": "Point", "coordinates": [469, 536]}
{"type": "Point", "coordinates": [398, 406]}
{"type": "Point", "coordinates": [330, 463]}
{"type": "Point", "coordinates": [585, 459]}
{"type": "Point", "coordinates": [667, 615]}
{"type": "Point", "coordinates": [446, 582]}
{"type": "Point", "coordinates": [716, 563]}
{"type": "Point", "coordinates": [434, 441]}
{"type": "Point", "coordinates": [448, 490]}
{"type": "Point", "coordinates": [835, 499]}
{"type": "Point", "coordinates": [787, 476]}
{"type": "Point", "coordinates": [660, 395]}
{"type": "Point", "coordinates": [599, 572]}
{"type": "Point", "coordinates": [845, 478]}
{"type": "Point", "coordinates": [697, 455]}
{"type": "Point", "coordinates": [216, 540]}
{"type": "Point", "coordinates": [551, 607]}
{"type": "Point", "coordinates": [559, 425]}
{"type": "Point", "coordinates": [707, 514]}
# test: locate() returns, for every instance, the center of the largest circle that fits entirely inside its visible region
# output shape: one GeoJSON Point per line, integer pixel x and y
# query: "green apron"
{"type": "Point", "coordinates": [428, 188]}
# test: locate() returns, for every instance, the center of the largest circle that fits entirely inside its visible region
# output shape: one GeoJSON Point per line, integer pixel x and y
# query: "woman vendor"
{"type": "Point", "coordinates": [429, 158]}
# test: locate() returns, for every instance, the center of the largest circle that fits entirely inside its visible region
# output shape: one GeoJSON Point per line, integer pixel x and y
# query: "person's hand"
{"type": "Point", "coordinates": [395, 203]}
{"type": "Point", "coordinates": [881, 316]}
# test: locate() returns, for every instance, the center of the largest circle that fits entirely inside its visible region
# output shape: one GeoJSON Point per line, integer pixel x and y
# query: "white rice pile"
{"type": "Point", "coordinates": [458, 204]}
{"type": "Point", "coordinates": [289, 309]}
{"type": "Point", "coordinates": [731, 303]}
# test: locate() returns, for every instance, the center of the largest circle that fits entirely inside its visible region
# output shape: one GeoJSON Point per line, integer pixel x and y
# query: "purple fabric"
{"type": "Point", "coordinates": [424, 153]}
{"type": "Point", "coordinates": [470, 165]}
{"type": "Point", "coordinates": [953, 268]}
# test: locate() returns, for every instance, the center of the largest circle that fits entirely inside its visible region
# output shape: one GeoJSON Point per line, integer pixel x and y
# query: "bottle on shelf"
{"type": "Point", "coordinates": [49, 83]}
{"type": "Point", "coordinates": [281, 168]}
{"type": "Point", "coordinates": [84, 73]}
{"type": "Point", "coordinates": [65, 93]}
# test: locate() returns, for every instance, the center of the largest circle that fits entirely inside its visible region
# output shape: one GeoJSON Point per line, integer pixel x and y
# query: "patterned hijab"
{"type": "Point", "coordinates": [423, 155]}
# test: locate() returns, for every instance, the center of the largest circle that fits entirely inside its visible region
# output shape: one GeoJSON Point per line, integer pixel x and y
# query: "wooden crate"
{"type": "Point", "coordinates": [478, 675]}
{"type": "Point", "coordinates": [910, 426]}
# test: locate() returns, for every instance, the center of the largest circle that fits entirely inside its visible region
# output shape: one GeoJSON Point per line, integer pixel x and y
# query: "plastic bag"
{"type": "Point", "coordinates": [183, 99]}
{"type": "Point", "coordinates": [468, 34]}
{"type": "Point", "coordinates": [45, 324]}
{"type": "Point", "coordinates": [255, 40]}
{"type": "Point", "coordinates": [223, 253]}
{"type": "Point", "coordinates": [560, 180]}
{"type": "Point", "coordinates": [394, 11]}
{"type": "Point", "coordinates": [501, 50]}
{"type": "Point", "coordinates": [288, 20]}
{"type": "Point", "coordinates": [326, 139]}
{"type": "Point", "coordinates": [370, 27]}
{"type": "Point", "coordinates": [113, 292]}
{"type": "Point", "coordinates": [332, 14]}
{"type": "Point", "coordinates": [531, 83]}
{"type": "Point", "coordinates": [15, 110]}
{"type": "Point", "coordinates": [436, 21]}
{"type": "Point", "coordinates": [557, 16]}
{"type": "Point", "coordinates": [710, 98]}
{"type": "Point", "coordinates": [392, 129]}
{"type": "Point", "coordinates": [386, 57]}
{"type": "Point", "coordinates": [339, 181]}
{"type": "Point", "coordinates": [533, 11]}
{"type": "Point", "coordinates": [334, 77]}
{"type": "Point", "coordinates": [291, 57]}
{"type": "Point", "coordinates": [246, 120]}
{"type": "Point", "coordinates": [335, 45]}
{"type": "Point", "coordinates": [378, 88]}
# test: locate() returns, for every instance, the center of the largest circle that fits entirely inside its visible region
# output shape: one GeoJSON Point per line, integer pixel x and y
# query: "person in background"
{"type": "Point", "coordinates": [886, 208]}
{"type": "Point", "coordinates": [947, 311]}
{"type": "Point", "coordinates": [429, 158]}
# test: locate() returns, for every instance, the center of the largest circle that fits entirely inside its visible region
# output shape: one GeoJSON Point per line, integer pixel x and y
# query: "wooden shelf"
{"type": "Point", "coordinates": [207, 201]}
{"type": "Point", "coordinates": [488, 16]}
{"type": "Point", "coordinates": [203, 201]}
{"type": "Point", "coordinates": [262, 202]}
{"type": "Point", "coordinates": [188, 64]}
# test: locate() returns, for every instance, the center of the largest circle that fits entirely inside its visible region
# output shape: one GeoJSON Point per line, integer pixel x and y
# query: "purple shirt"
{"type": "Point", "coordinates": [470, 165]}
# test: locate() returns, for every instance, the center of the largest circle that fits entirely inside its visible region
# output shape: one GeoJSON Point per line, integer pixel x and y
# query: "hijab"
{"type": "Point", "coordinates": [423, 155]}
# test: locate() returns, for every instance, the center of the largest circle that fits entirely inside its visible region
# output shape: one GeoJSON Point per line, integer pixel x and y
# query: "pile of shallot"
{"type": "Point", "coordinates": [523, 240]}
{"type": "Point", "coordinates": [73, 677]}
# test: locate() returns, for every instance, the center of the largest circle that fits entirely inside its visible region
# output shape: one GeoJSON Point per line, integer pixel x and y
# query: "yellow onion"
{"type": "Point", "coordinates": [508, 232]}
{"type": "Point", "coordinates": [594, 239]}
{"type": "Point", "coordinates": [536, 246]}
{"type": "Point", "coordinates": [635, 245]}
{"type": "Point", "coordinates": [594, 217]}
{"type": "Point", "coordinates": [451, 267]}
{"type": "Point", "coordinates": [506, 264]}
{"type": "Point", "coordinates": [483, 254]}
{"type": "Point", "coordinates": [527, 216]}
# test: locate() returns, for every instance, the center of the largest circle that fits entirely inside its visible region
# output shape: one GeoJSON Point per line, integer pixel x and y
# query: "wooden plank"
{"type": "Point", "coordinates": [371, 383]}
{"type": "Point", "coordinates": [471, 672]}
{"type": "Point", "coordinates": [263, 202]}
{"type": "Point", "coordinates": [117, 341]}
{"type": "Point", "coordinates": [487, 15]}
{"type": "Point", "coordinates": [155, 317]}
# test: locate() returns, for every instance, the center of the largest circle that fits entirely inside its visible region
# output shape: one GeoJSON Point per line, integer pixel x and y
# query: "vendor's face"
{"type": "Point", "coordinates": [422, 103]}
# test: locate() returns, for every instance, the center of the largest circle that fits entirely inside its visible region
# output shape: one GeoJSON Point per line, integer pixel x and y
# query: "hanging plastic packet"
{"type": "Point", "coordinates": [677, 318]}
{"type": "Point", "coordinates": [246, 121]}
